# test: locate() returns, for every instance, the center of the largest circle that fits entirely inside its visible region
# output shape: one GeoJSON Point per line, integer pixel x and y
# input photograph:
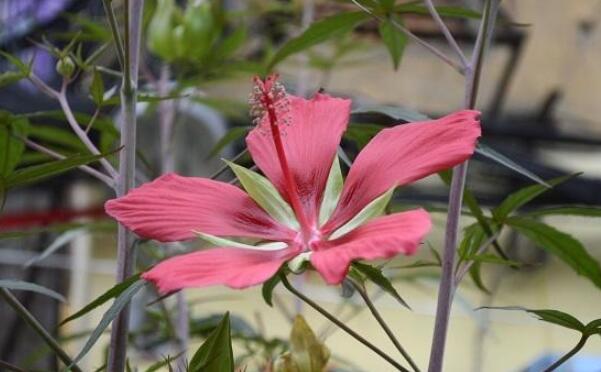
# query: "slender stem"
{"type": "Point", "coordinates": [340, 324]}
{"type": "Point", "coordinates": [447, 281]}
{"type": "Point", "coordinates": [225, 167]}
{"type": "Point", "coordinates": [112, 18]}
{"type": "Point", "coordinates": [38, 328]}
{"type": "Point", "coordinates": [568, 355]}
{"type": "Point", "coordinates": [126, 181]}
{"type": "Point", "coordinates": [91, 171]}
{"type": "Point", "coordinates": [446, 32]}
{"type": "Point", "coordinates": [431, 48]}
{"type": "Point", "coordinates": [361, 290]}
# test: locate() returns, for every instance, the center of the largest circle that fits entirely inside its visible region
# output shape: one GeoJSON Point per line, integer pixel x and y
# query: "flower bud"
{"type": "Point", "coordinates": [65, 66]}
{"type": "Point", "coordinates": [160, 30]}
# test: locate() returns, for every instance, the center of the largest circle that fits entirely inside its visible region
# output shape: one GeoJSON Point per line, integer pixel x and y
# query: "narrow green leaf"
{"type": "Point", "coordinates": [491, 258]}
{"type": "Point", "coordinates": [37, 173]}
{"type": "Point", "coordinates": [62, 240]}
{"type": "Point", "coordinates": [517, 199]}
{"type": "Point", "coordinates": [265, 194]}
{"type": "Point", "coordinates": [560, 244]}
{"type": "Point", "coordinates": [496, 156]}
{"type": "Point", "coordinates": [374, 209]}
{"type": "Point", "coordinates": [593, 327]}
{"type": "Point", "coordinates": [547, 315]}
{"type": "Point", "coordinates": [215, 354]}
{"type": "Point", "coordinates": [319, 32]}
{"type": "Point", "coordinates": [393, 112]}
{"type": "Point", "coordinates": [19, 285]}
{"type": "Point", "coordinates": [230, 136]}
{"type": "Point", "coordinates": [97, 88]}
{"type": "Point", "coordinates": [475, 274]}
{"type": "Point", "coordinates": [113, 292]}
{"type": "Point", "coordinates": [120, 302]}
{"type": "Point", "coordinates": [23, 67]}
{"type": "Point", "coordinates": [332, 192]}
{"type": "Point", "coordinates": [223, 242]}
{"type": "Point", "coordinates": [10, 77]}
{"type": "Point", "coordinates": [376, 276]}
{"type": "Point", "coordinates": [11, 147]}
{"type": "Point", "coordinates": [166, 362]}
{"type": "Point", "coordinates": [583, 211]}
{"type": "Point", "coordinates": [56, 136]}
{"type": "Point", "coordinates": [362, 133]}
{"type": "Point", "coordinates": [268, 287]}
{"type": "Point", "coordinates": [394, 40]}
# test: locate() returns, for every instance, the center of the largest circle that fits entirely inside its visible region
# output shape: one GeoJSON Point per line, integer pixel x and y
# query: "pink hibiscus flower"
{"type": "Point", "coordinates": [311, 216]}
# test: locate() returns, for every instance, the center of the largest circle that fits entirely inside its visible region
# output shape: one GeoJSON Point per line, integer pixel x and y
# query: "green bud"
{"type": "Point", "coordinates": [160, 38]}
{"type": "Point", "coordinates": [65, 67]}
{"type": "Point", "coordinates": [200, 30]}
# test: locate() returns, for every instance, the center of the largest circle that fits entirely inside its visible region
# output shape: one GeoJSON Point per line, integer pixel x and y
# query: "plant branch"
{"type": "Point", "coordinates": [458, 67]}
{"type": "Point", "coordinates": [374, 311]}
{"type": "Point", "coordinates": [343, 326]}
{"type": "Point", "coordinates": [112, 18]}
{"type": "Point", "coordinates": [126, 181]}
{"type": "Point", "coordinates": [446, 32]}
{"type": "Point", "coordinates": [91, 171]}
{"type": "Point", "coordinates": [38, 328]}
{"type": "Point", "coordinates": [569, 354]}
{"type": "Point", "coordinates": [447, 281]}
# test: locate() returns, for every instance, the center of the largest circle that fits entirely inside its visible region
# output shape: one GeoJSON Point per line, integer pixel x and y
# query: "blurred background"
{"type": "Point", "coordinates": [539, 95]}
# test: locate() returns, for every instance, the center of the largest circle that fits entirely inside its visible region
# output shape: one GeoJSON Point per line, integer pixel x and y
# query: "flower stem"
{"type": "Point", "coordinates": [38, 328]}
{"type": "Point", "coordinates": [569, 354]}
{"type": "Point", "coordinates": [361, 290]}
{"type": "Point", "coordinates": [447, 281]}
{"type": "Point", "coordinates": [340, 324]}
{"type": "Point", "coordinates": [126, 180]}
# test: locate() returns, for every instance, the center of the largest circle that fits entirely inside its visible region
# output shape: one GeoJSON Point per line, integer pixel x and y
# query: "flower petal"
{"type": "Point", "coordinates": [383, 237]}
{"type": "Point", "coordinates": [234, 267]}
{"type": "Point", "coordinates": [403, 154]}
{"type": "Point", "coordinates": [310, 139]}
{"type": "Point", "coordinates": [172, 207]}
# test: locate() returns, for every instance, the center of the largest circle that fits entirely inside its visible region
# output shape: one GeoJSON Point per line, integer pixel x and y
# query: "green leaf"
{"type": "Point", "coordinates": [268, 287]}
{"type": "Point", "coordinates": [375, 208]}
{"type": "Point", "coordinates": [215, 354]}
{"type": "Point", "coordinates": [547, 315]}
{"type": "Point", "coordinates": [491, 258]}
{"type": "Point", "coordinates": [230, 136]}
{"type": "Point", "coordinates": [115, 291]}
{"type": "Point", "coordinates": [562, 245]}
{"type": "Point", "coordinates": [11, 147]}
{"type": "Point", "coordinates": [475, 274]}
{"type": "Point", "coordinates": [332, 192]}
{"type": "Point", "coordinates": [519, 198]}
{"type": "Point", "coordinates": [57, 136]}
{"type": "Point", "coordinates": [10, 77]}
{"type": "Point", "coordinates": [583, 211]}
{"type": "Point", "coordinates": [23, 67]}
{"type": "Point", "coordinates": [120, 302]}
{"type": "Point", "coordinates": [19, 285]}
{"type": "Point", "coordinates": [265, 194]}
{"type": "Point", "coordinates": [376, 276]}
{"type": "Point", "coordinates": [594, 327]}
{"type": "Point", "coordinates": [97, 88]}
{"type": "Point", "coordinates": [59, 242]}
{"type": "Point", "coordinates": [492, 154]}
{"type": "Point", "coordinates": [443, 11]}
{"type": "Point", "coordinates": [306, 353]}
{"type": "Point", "coordinates": [37, 173]}
{"type": "Point", "coordinates": [319, 32]}
{"type": "Point", "coordinates": [393, 112]}
{"type": "Point", "coordinates": [394, 40]}
{"type": "Point", "coordinates": [361, 134]}
{"type": "Point", "coordinates": [166, 362]}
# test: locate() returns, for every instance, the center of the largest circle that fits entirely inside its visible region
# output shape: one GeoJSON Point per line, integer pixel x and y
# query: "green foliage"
{"type": "Point", "coordinates": [12, 130]}
{"type": "Point", "coordinates": [120, 302]}
{"type": "Point", "coordinates": [361, 134]}
{"type": "Point", "coordinates": [10, 77]}
{"type": "Point", "coordinates": [97, 88]}
{"type": "Point", "coordinates": [215, 354]}
{"type": "Point", "coordinates": [519, 198]}
{"type": "Point", "coordinates": [230, 136]}
{"type": "Point", "coordinates": [582, 211]}
{"type": "Point", "coordinates": [563, 246]}
{"type": "Point", "coordinates": [375, 275]}
{"type": "Point", "coordinates": [113, 292]}
{"type": "Point", "coordinates": [269, 286]}
{"type": "Point", "coordinates": [496, 156]}
{"type": "Point", "coordinates": [19, 285]}
{"type": "Point", "coordinates": [394, 39]}
{"type": "Point", "coordinates": [317, 33]}
{"type": "Point", "coordinates": [393, 112]}
{"type": "Point", "coordinates": [306, 353]}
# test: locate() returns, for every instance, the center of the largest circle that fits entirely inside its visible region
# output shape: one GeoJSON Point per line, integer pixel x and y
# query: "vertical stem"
{"type": "Point", "coordinates": [127, 158]}
{"type": "Point", "coordinates": [38, 328]}
{"type": "Point", "coordinates": [447, 281]}
{"type": "Point", "coordinates": [568, 355]}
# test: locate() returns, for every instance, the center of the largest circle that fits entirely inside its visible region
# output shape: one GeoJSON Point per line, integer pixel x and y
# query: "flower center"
{"type": "Point", "coordinates": [269, 99]}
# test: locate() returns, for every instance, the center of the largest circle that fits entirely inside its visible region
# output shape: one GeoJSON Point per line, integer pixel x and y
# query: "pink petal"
{"type": "Point", "coordinates": [310, 142]}
{"type": "Point", "coordinates": [383, 237]}
{"type": "Point", "coordinates": [403, 154]}
{"type": "Point", "coordinates": [236, 268]}
{"type": "Point", "coordinates": [171, 207]}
